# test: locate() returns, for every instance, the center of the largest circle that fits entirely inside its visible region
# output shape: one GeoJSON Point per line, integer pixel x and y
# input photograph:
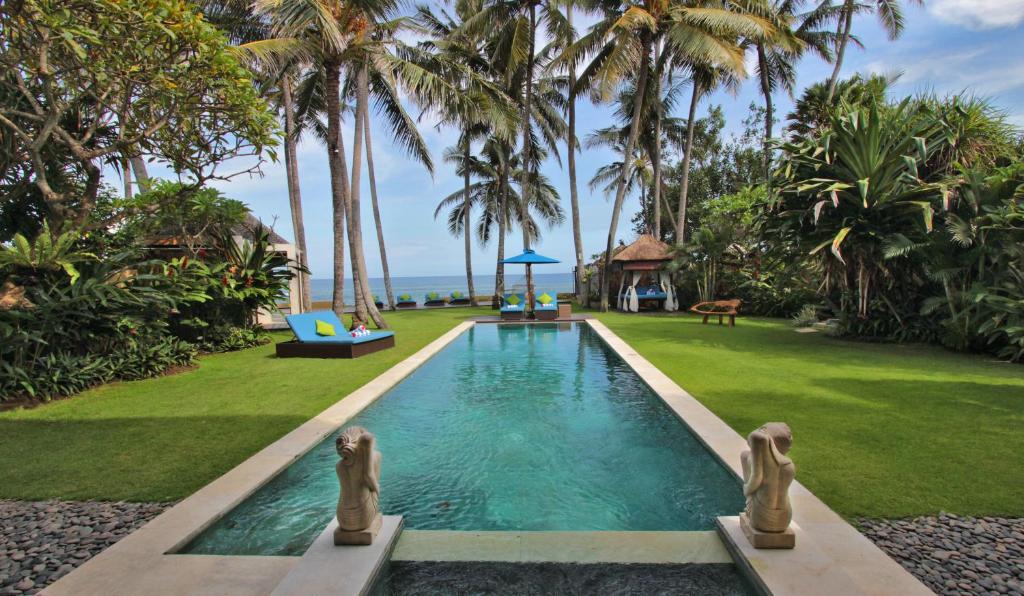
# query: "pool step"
{"type": "Point", "coordinates": [340, 570]}
{"type": "Point", "coordinates": [562, 547]}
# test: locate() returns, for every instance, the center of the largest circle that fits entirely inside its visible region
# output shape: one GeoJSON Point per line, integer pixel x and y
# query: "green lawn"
{"type": "Point", "coordinates": [880, 430]}
{"type": "Point", "coordinates": [161, 439]}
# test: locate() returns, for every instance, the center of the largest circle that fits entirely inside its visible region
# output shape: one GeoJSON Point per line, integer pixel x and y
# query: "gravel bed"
{"type": "Point", "coordinates": [956, 555]}
{"type": "Point", "coordinates": [44, 540]}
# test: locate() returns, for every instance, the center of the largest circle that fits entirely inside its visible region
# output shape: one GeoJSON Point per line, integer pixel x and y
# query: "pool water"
{"type": "Point", "coordinates": [510, 427]}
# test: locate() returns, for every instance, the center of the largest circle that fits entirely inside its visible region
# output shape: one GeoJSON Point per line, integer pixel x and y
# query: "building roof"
{"type": "Point", "coordinates": [645, 248]}
{"type": "Point", "coordinates": [247, 228]}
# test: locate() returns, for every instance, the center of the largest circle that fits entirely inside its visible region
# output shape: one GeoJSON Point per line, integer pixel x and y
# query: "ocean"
{"type": "Point", "coordinates": [418, 287]}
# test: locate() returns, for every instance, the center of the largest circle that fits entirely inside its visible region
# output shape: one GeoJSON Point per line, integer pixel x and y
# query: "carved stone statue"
{"type": "Point", "coordinates": [767, 474]}
{"type": "Point", "coordinates": [359, 517]}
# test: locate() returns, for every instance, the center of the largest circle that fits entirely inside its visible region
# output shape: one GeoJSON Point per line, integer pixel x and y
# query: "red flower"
{"type": "Point", "coordinates": [224, 281]}
{"type": "Point", "coordinates": [248, 282]}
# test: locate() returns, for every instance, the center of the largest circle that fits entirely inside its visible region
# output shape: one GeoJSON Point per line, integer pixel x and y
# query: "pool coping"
{"type": "Point", "coordinates": [831, 556]}
{"type": "Point", "coordinates": [829, 551]}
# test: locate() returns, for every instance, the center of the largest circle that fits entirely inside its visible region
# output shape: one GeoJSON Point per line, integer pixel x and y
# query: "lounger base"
{"type": "Point", "coordinates": [459, 302]}
{"type": "Point", "coordinates": [513, 316]}
{"type": "Point", "coordinates": [546, 315]}
{"type": "Point", "coordinates": [435, 303]}
{"type": "Point", "coordinates": [406, 305]}
{"type": "Point", "coordinates": [295, 349]}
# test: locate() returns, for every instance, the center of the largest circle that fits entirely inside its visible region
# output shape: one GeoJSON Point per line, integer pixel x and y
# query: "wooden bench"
{"type": "Point", "coordinates": [721, 308]}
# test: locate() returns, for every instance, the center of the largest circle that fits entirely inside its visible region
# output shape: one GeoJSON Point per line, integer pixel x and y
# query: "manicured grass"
{"type": "Point", "coordinates": [879, 430]}
{"type": "Point", "coordinates": [161, 439]}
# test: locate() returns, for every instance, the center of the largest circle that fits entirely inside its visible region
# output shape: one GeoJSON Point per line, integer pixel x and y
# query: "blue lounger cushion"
{"type": "Point", "coordinates": [304, 328]}
{"type": "Point", "coordinates": [553, 305]}
{"type": "Point", "coordinates": [519, 306]}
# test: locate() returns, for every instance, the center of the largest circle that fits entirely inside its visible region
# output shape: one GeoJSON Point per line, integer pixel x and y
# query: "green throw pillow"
{"type": "Point", "coordinates": [513, 300]}
{"type": "Point", "coordinates": [323, 328]}
{"type": "Point", "coordinates": [432, 296]}
{"type": "Point", "coordinates": [545, 299]}
{"type": "Point", "coordinates": [456, 295]}
{"type": "Point", "coordinates": [404, 297]}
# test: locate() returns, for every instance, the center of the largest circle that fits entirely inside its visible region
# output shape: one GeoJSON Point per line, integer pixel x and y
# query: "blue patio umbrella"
{"type": "Point", "coordinates": [530, 258]}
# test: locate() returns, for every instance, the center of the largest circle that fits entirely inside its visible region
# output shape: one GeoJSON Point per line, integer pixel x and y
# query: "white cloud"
{"type": "Point", "coordinates": [979, 14]}
{"type": "Point", "coordinates": [977, 69]}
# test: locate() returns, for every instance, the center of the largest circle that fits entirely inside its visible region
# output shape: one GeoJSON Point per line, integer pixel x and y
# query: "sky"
{"type": "Point", "coordinates": [948, 47]}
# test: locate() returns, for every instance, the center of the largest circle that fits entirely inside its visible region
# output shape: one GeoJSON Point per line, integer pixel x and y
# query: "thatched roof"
{"type": "Point", "coordinates": [646, 248]}
{"type": "Point", "coordinates": [247, 228]}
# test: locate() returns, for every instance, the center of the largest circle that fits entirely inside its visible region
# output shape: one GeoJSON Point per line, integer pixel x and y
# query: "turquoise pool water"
{"type": "Point", "coordinates": [510, 427]}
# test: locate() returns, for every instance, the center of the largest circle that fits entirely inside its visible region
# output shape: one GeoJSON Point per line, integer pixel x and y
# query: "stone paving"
{"type": "Point", "coordinates": [44, 540]}
{"type": "Point", "coordinates": [956, 555]}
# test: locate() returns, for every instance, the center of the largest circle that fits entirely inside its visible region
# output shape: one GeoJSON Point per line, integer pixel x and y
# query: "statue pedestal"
{"type": "Point", "coordinates": [761, 539]}
{"type": "Point", "coordinates": [358, 537]}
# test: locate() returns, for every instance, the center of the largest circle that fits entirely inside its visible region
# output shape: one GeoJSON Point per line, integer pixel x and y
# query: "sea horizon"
{"type": "Point", "coordinates": [418, 286]}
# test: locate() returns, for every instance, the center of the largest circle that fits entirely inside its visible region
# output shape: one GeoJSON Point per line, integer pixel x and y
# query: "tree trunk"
{"type": "Point", "coordinates": [769, 111]}
{"type": "Point", "coordinates": [291, 163]}
{"type": "Point", "coordinates": [466, 220]}
{"type": "Point", "coordinates": [126, 174]}
{"type": "Point", "coordinates": [843, 36]}
{"type": "Point", "coordinates": [656, 152]}
{"type": "Point", "coordinates": [139, 169]}
{"type": "Point", "coordinates": [366, 310]}
{"type": "Point", "coordinates": [376, 214]}
{"type": "Point", "coordinates": [524, 185]}
{"type": "Point", "coordinates": [339, 184]}
{"type": "Point", "coordinates": [499, 273]}
{"type": "Point", "coordinates": [684, 187]}
{"type": "Point", "coordinates": [574, 199]}
{"type": "Point", "coordinates": [620, 194]}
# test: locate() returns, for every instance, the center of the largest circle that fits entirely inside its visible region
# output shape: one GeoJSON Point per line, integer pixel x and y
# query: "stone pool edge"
{"type": "Point", "coordinates": [142, 561]}
{"type": "Point", "coordinates": [831, 556]}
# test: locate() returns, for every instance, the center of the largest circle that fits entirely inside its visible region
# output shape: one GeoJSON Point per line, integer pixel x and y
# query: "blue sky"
{"type": "Point", "coordinates": [948, 47]}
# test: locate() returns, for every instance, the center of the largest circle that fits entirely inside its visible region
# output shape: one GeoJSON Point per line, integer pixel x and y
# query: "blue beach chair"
{"type": "Point", "coordinates": [513, 307]}
{"type": "Point", "coordinates": [321, 334]}
{"type": "Point", "coordinates": [545, 307]}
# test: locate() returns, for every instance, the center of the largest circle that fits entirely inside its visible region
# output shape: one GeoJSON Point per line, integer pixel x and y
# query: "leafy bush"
{"type": "Point", "coordinates": [807, 316]}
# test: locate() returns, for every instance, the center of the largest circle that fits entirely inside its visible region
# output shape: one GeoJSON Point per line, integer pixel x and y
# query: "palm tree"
{"type": "Point", "coordinates": [388, 290]}
{"type": "Point", "coordinates": [263, 54]}
{"type": "Point", "coordinates": [697, 33]}
{"type": "Point", "coordinates": [513, 45]}
{"type": "Point", "coordinates": [889, 12]}
{"type": "Point", "coordinates": [456, 44]}
{"type": "Point", "coordinates": [498, 203]}
{"type": "Point", "coordinates": [570, 149]}
{"type": "Point", "coordinates": [778, 54]}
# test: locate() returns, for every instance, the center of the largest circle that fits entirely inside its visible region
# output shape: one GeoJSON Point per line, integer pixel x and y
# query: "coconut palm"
{"type": "Point", "coordinates": [698, 34]}
{"type": "Point", "coordinates": [499, 204]}
{"type": "Point", "coordinates": [889, 12]}
{"type": "Point", "coordinates": [778, 54]}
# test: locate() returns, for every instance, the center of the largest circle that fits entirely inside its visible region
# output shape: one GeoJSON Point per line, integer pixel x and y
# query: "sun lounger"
{"type": "Point", "coordinates": [405, 301]}
{"type": "Point", "coordinates": [378, 302]}
{"type": "Point", "coordinates": [308, 343]}
{"type": "Point", "coordinates": [434, 299]}
{"type": "Point", "coordinates": [457, 298]}
{"type": "Point", "coordinates": [545, 307]}
{"type": "Point", "coordinates": [513, 307]}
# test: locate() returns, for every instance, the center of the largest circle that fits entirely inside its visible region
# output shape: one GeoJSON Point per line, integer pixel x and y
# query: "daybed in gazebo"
{"type": "Point", "coordinates": [643, 280]}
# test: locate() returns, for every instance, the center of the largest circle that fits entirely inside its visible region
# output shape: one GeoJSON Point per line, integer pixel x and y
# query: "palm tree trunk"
{"type": "Point", "coordinates": [524, 185]}
{"type": "Point", "coordinates": [376, 213]}
{"type": "Point", "coordinates": [684, 186]}
{"type": "Point", "coordinates": [339, 184]}
{"type": "Point", "coordinates": [291, 163]}
{"type": "Point", "coordinates": [499, 273]}
{"type": "Point", "coordinates": [656, 153]}
{"type": "Point", "coordinates": [620, 194]}
{"type": "Point", "coordinates": [574, 199]}
{"type": "Point", "coordinates": [365, 308]}
{"type": "Point", "coordinates": [842, 38]}
{"type": "Point", "coordinates": [466, 221]}
{"type": "Point", "coordinates": [769, 110]}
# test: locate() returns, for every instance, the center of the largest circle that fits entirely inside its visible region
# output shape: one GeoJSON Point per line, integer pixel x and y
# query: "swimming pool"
{"type": "Point", "coordinates": [511, 427]}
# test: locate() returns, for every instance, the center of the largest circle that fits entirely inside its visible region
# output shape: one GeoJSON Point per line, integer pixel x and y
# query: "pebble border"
{"type": "Point", "coordinates": [953, 554]}
{"type": "Point", "coordinates": [43, 541]}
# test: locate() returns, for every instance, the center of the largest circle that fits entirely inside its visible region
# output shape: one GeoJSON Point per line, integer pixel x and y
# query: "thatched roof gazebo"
{"type": "Point", "coordinates": [644, 258]}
